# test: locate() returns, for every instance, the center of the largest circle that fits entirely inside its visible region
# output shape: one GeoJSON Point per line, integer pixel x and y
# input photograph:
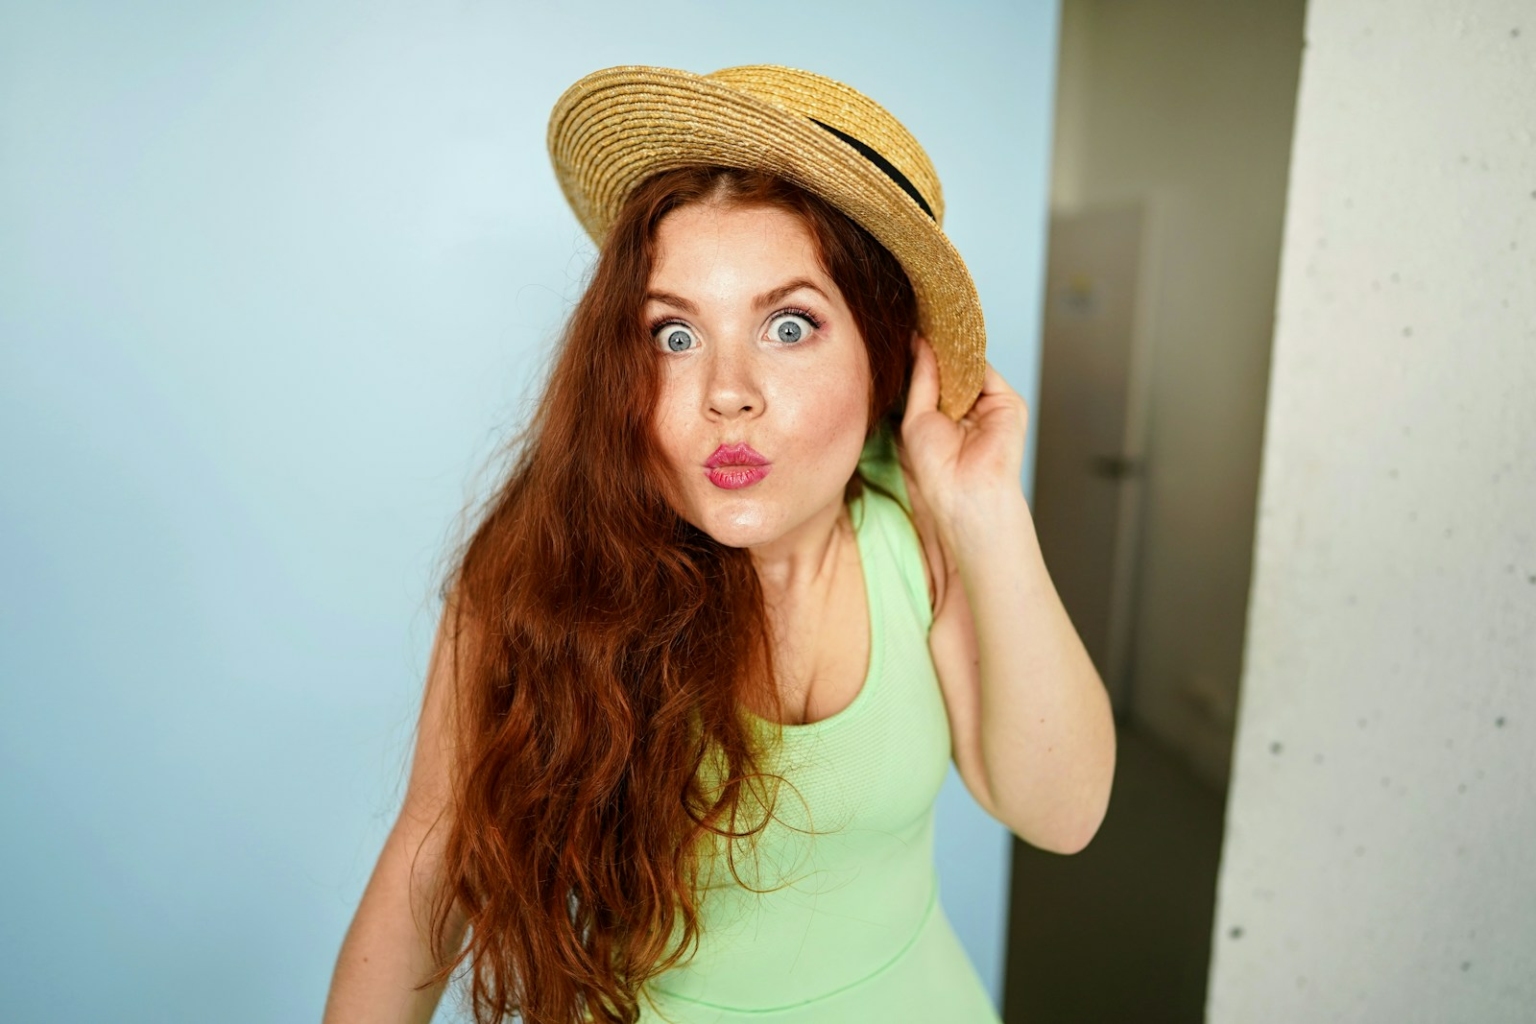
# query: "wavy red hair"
{"type": "Point", "coordinates": [620, 643]}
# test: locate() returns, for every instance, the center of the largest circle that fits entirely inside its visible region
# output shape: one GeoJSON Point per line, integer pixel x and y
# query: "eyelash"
{"type": "Point", "coordinates": [804, 314]}
{"type": "Point", "coordinates": [812, 318]}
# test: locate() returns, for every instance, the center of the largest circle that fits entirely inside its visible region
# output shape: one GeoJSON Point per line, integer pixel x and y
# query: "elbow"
{"type": "Point", "coordinates": [1077, 839]}
{"type": "Point", "coordinates": [1065, 817]}
{"type": "Point", "coordinates": [1092, 804]}
{"type": "Point", "coordinates": [1093, 809]}
{"type": "Point", "coordinates": [1065, 837]}
{"type": "Point", "coordinates": [1070, 829]}
{"type": "Point", "coordinates": [1098, 807]}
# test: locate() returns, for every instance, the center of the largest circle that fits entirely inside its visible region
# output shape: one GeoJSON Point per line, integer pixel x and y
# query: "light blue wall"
{"type": "Point", "coordinates": [273, 279]}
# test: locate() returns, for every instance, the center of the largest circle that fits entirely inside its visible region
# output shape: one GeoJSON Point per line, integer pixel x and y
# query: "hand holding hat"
{"type": "Point", "coordinates": [962, 466]}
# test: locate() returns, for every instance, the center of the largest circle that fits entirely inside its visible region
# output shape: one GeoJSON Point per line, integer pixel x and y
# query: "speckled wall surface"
{"type": "Point", "coordinates": [1381, 823]}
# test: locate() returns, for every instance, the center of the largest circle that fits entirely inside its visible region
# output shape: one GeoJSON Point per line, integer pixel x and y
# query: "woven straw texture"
{"type": "Point", "coordinates": [615, 128]}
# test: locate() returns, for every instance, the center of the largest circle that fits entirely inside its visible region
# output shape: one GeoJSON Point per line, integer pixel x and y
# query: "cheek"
{"type": "Point", "coordinates": [839, 413]}
{"type": "Point", "coordinates": [668, 422]}
{"type": "Point", "coordinates": [675, 428]}
{"type": "Point", "coordinates": [832, 409]}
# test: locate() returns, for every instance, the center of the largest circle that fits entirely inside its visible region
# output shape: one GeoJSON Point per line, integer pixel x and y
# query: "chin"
{"type": "Point", "coordinates": [741, 527]}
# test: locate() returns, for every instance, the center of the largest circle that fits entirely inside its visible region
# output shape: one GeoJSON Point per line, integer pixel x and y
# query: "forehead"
{"type": "Point", "coordinates": [701, 241]}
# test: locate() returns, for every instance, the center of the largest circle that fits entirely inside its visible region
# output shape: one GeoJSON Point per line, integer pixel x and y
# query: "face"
{"type": "Point", "coordinates": [764, 383]}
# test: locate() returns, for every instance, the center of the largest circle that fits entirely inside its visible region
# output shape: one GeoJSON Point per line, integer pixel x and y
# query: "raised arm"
{"type": "Point", "coordinates": [1033, 730]}
{"type": "Point", "coordinates": [387, 953]}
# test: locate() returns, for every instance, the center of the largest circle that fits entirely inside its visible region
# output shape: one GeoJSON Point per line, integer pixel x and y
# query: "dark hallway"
{"type": "Point", "coordinates": [1121, 932]}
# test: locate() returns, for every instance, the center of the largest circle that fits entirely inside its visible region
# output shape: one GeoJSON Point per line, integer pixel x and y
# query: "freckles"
{"type": "Point", "coordinates": [829, 402]}
{"type": "Point", "coordinates": [671, 420]}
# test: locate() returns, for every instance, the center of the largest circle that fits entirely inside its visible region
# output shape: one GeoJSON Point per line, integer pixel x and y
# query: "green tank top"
{"type": "Point", "coordinates": [850, 927]}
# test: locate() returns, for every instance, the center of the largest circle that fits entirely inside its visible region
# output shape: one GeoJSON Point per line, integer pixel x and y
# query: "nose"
{"type": "Point", "coordinates": [734, 390]}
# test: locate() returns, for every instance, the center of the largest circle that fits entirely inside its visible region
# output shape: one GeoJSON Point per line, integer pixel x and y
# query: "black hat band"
{"type": "Point", "coordinates": [888, 168]}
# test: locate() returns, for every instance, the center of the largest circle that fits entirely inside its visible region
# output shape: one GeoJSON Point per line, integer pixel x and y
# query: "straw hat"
{"type": "Point", "coordinates": [615, 128]}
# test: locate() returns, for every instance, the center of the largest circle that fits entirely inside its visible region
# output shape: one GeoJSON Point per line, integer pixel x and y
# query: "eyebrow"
{"type": "Point", "coordinates": [768, 298]}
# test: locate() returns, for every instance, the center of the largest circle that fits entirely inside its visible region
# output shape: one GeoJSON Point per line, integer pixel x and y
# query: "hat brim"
{"type": "Point", "coordinates": [617, 127]}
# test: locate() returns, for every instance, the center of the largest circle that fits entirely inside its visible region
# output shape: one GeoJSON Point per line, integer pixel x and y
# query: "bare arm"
{"type": "Point", "coordinates": [1032, 725]}
{"type": "Point", "coordinates": [1033, 729]}
{"type": "Point", "coordinates": [387, 953]}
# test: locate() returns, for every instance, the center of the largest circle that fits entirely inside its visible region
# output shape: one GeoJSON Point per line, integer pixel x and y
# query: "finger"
{"type": "Point", "coordinates": [996, 393]}
{"type": "Point", "coordinates": [923, 391]}
{"type": "Point", "coordinates": [992, 383]}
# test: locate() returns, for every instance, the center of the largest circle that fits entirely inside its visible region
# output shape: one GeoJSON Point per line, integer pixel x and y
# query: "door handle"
{"type": "Point", "coordinates": [1114, 467]}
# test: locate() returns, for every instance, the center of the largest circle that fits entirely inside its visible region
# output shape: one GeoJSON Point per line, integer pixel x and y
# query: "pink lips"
{"type": "Point", "coordinates": [733, 466]}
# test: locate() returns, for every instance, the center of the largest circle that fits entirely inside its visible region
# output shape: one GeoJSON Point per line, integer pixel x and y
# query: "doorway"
{"type": "Point", "coordinates": [1172, 144]}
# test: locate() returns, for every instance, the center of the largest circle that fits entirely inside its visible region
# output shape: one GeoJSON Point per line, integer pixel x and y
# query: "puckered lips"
{"type": "Point", "coordinates": [734, 466]}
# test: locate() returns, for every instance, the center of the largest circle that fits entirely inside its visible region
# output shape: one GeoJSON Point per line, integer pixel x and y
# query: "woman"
{"type": "Point", "coordinates": [763, 566]}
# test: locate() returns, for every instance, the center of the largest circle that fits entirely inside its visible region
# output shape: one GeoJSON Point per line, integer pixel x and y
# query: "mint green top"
{"type": "Point", "coordinates": [852, 929]}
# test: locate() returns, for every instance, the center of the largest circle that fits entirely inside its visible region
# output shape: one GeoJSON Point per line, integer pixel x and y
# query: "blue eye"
{"type": "Point", "coordinates": [674, 337]}
{"type": "Point", "coordinates": [790, 327]}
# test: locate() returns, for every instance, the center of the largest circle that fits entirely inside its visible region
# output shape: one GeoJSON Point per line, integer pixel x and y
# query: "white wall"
{"type": "Point", "coordinates": [273, 277]}
{"type": "Point", "coordinates": [1378, 863]}
{"type": "Point", "coordinates": [1186, 105]}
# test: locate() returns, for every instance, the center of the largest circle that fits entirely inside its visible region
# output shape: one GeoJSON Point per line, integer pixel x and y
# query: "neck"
{"type": "Point", "coordinates": [805, 558]}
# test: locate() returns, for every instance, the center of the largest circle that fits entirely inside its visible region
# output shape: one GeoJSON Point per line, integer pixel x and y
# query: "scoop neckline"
{"type": "Point", "coordinates": [859, 511]}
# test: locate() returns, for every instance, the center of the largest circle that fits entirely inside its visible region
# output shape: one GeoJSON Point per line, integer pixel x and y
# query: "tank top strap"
{"type": "Point", "coordinates": [891, 521]}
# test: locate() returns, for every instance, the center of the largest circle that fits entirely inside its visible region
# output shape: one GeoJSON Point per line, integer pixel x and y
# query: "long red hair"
{"type": "Point", "coordinates": [619, 644]}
